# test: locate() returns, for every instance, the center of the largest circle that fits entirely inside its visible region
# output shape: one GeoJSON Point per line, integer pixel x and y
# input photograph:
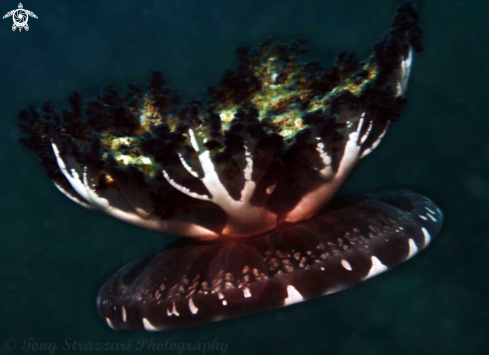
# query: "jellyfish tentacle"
{"type": "Point", "coordinates": [241, 213]}
{"type": "Point", "coordinates": [66, 189]}
{"type": "Point", "coordinates": [250, 185]}
{"type": "Point", "coordinates": [404, 71]}
{"type": "Point", "coordinates": [187, 165]}
{"type": "Point", "coordinates": [113, 202]}
{"type": "Point", "coordinates": [272, 145]}
{"type": "Point", "coordinates": [326, 172]}
{"type": "Point", "coordinates": [71, 173]}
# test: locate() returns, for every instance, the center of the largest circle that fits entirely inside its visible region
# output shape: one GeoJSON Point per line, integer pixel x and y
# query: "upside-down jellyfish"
{"type": "Point", "coordinates": [250, 176]}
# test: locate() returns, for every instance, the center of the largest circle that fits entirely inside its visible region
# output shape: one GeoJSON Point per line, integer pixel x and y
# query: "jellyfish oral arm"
{"type": "Point", "coordinates": [323, 193]}
{"type": "Point", "coordinates": [404, 71]}
{"type": "Point", "coordinates": [243, 218]}
{"type": "Point", "coordinates": [223, 155]}
{"type": "Point", "coordinates": [113, 202]}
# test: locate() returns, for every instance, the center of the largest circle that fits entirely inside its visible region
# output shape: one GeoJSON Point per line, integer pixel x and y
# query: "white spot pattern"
{"type": "Point", "coordinates": [192, 307]}
{"type": "Point", "coordinates": [246, 292]}
{"type": "Point", "coordinates": [293, 296]}
{"type": "Point", "coordinates": [173, 311]}
{"type": "Point", "coordinates": [413, 249]}
{"type": "Point", "coordinates": [427, 236]}
{"type": "Point", "coordinates": [377, 267]}
{"type": "Point", "coordinates": [346, 264]}
{"type": "Point", "coordinates": [148, 326]}
{"type": "Point", "coordinates": [110, 323]}
{"type": "Point", "coordinates": [124, 315]}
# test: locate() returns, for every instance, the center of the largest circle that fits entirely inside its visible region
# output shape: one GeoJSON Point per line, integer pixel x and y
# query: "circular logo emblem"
{"type": "Point", "coordinates": [20, 17]}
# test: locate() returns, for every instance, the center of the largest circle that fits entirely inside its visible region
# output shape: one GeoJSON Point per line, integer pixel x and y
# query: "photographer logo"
{"type": "Point", "coordinates": [20, 17]}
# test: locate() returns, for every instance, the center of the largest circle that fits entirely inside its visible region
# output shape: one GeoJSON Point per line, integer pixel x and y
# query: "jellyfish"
{"type": "Point", "coordinates": [247, 178]}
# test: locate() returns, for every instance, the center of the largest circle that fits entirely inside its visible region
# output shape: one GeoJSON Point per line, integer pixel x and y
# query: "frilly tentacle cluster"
{"type": "Point", "coordinates": [272, 145]}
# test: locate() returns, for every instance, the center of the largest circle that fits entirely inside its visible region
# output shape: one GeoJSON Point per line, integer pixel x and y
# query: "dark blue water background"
{"type": "Point", "coordinates": [54, 255]}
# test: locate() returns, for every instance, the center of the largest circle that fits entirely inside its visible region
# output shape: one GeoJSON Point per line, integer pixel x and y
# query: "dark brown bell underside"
{"type": "Point", "coordinates": [189, 283]}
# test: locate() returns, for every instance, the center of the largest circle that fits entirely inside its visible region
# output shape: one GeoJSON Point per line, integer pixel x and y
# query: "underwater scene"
{"type": "Point", "coordinates": [228, 141]}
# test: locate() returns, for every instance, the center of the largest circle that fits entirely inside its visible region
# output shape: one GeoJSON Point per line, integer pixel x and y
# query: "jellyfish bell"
{"type": "Point", "coordinates": [190, 283]}
{"type": "Point", "coordinates": [250, 176]}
